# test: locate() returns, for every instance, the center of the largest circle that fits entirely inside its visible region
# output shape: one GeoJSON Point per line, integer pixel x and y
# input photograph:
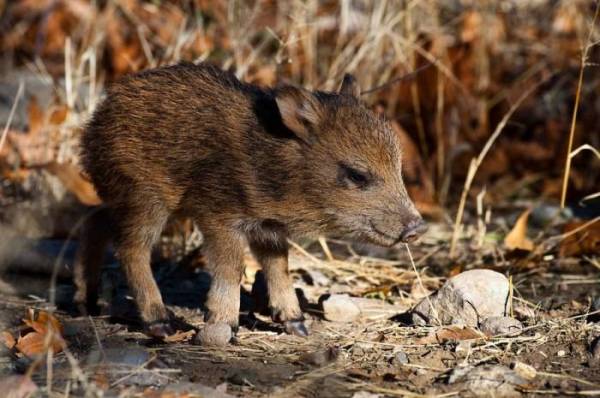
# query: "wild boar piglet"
{"type": "Point", "coordinates": [251, 166]}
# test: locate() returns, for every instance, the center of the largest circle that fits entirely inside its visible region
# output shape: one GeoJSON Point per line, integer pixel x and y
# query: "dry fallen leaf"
{"type": "Point", "coordinates": [455, 270]}
{"type": "Point", "coordinates": [42, 322]}
{"type": "Point", "coordinates": [59, 115]}
{"type": "Point", "coordinates": [72, 178]}
{"type": "Point", "coordinates": [451, 333]}
{"type": "Point", "coordinates": [586, 241]}
{"type": "Point", "coordinates": [9, 340]}
{"type": "Point", "coordinates": [517, 237]}
{"type": "Point", "coordinates": [32, 344]}
{"type": "Point", "coordinates": [36, 117]}
{"type": "Point", "coordinates": [42, 331]}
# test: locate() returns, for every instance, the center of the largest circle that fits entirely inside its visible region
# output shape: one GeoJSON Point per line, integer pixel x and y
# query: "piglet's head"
{"type": "Point", "coordinates": [352, 176]}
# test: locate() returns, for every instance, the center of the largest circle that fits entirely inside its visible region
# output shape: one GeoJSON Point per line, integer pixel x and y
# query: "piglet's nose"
{"type": "Point", "coordinates": [413, 230]}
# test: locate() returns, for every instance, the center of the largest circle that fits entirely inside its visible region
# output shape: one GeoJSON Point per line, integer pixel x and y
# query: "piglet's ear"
{"type": "Point", "coordinates": [350, 86]}
{"type": "Point", "coordinates": [300, 110]}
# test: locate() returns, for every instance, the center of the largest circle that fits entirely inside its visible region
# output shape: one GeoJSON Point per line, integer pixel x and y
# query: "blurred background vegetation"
{"type": "Point", "coordinates": [466, 65]}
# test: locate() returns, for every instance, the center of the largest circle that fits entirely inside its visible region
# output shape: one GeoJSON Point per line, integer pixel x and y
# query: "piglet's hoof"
{"type": "Point", "coordinates": [296, 328]}
{"type": "Point", "coordinates": [159, 329]}
{"type": "Point", "coordinates": [214, 334]}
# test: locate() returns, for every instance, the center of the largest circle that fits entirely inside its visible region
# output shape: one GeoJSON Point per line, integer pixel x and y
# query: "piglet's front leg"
{"type": "Point", "coordinates": [283, 302]}
{"type": "Point", "coordinates": [225, 252]}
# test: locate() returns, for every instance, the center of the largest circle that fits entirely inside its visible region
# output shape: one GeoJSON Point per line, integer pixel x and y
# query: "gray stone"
{"type": "Point", "coordinates": [400, 358]}
{"type": "Point", "coordinates": [466, 299]}
{"type": "Point", "coordinates": [501, 325]}
{"type": "Point", "coordinates": [340, 308]}
{"type": "Point", "coordinates": [496, 381]}
{"type": "Point", "coordinates": [544, 214]}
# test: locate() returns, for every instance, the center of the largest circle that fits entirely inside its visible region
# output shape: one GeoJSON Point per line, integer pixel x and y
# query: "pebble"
{"type": "Point", "coordinates": [525, 371]}
{"type": "Point", "coordinates": [218, 334]}
{"type": "Point", "coordinates": [400, 358]}
{"type": "Point", "coordinates": [340, 308]}
{"type": "Point", "coordinates": [465, 299]}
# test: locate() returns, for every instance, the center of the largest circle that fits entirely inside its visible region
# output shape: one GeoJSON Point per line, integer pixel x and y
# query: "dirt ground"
{"type": "Point", "coordinates": [381, 353]}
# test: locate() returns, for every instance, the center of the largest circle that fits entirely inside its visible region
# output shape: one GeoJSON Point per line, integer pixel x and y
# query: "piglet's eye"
{"type": "Point", "coordinates": [358, 178]}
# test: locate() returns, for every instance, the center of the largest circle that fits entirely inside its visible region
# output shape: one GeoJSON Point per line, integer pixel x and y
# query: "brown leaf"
{"type": "Point", "coordinates": [32, 344]}
{"type": "Point", "coordinates": [36, 117]}
{"type": "Point", "coordinates": [9, 340]}
{"type": "Point", "coordinates": [586, 241]}
{"type": "Point", "coordinates": [517, 237]}
{"type": "Point", "coordinates": [59, 114]}
{"type": "Point", "coordinates": [72, 178]}
{"type": "Point", "coordinates": [44, 332]}
{"type": "Point", "coordinates": [455, 270]}
{"type": "Point", "coordinates": [451, 333]}
{"type": "Point", "coordinates": [42, 321]}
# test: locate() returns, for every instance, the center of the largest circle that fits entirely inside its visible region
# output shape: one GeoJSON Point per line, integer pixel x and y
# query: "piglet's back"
{"type": "Point", "coordinates": [154, 126]}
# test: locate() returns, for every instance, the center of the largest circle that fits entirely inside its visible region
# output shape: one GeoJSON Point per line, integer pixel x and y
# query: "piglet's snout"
{"type": "Point", "coordinates": [413, 231]}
